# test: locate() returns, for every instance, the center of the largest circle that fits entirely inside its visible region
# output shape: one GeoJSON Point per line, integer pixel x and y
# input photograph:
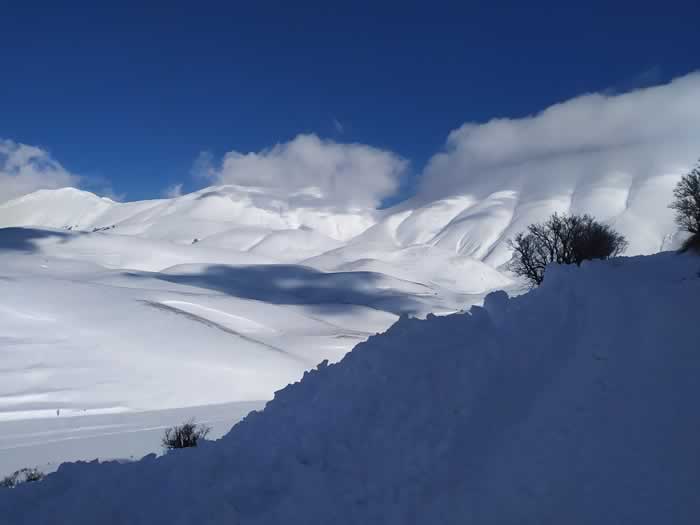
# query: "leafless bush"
{"type": "Point", "coordinates": [687, 201]}
{"type": "Point", "coordinates": [25, 475]}
{"type": "Point", "coordinates": [562, 239]}
{"type": "Point", "coordinates": [184, 436]}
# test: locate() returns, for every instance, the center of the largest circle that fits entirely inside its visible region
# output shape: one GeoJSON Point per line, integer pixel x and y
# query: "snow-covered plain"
{"type": "Point", "coordinates": [228, 294]}
{"type": "Point", "coordinates": [574, 403]}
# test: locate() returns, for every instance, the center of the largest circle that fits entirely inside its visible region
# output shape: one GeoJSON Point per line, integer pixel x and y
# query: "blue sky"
{"type": "Point", "coordinates": [129, 96]}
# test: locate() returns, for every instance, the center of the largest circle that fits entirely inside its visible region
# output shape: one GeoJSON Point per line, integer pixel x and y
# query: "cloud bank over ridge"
{"type": "Point", "coordinates": [582, 142]}
{"type": "Point", "coordinates": [316, 172]}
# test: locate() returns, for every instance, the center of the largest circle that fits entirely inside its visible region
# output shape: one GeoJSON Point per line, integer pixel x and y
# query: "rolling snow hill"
{"type": "Point", "coordinates": [475, 222]}
{"type": "Point", "coordinates": [110, 308]}
{"type": "Point", "coordinates": [574, 403]}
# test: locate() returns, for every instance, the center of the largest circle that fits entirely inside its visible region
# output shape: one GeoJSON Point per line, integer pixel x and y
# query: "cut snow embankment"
{"type": "Point", "coordinates": [575, 403]}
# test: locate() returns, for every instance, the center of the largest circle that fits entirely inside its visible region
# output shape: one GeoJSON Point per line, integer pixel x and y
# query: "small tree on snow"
{"type": "Point", "coordinates": [562, 239]}
{"type": "Point", "coordinates": [184, 436]}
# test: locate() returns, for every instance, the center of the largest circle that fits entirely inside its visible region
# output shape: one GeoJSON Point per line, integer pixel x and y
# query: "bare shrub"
{"type": "Point", "coordinates": [25, 475]}
{"type": "Point", "coordinates": [184, 436]}
{"type": "Point", "coordinates": [562, 239]}
{"type": "Point", "coordinates": [686, 201]}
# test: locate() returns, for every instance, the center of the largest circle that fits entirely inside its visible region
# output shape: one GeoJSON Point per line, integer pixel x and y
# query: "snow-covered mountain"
{"type": "Point", "coordinates": [111, 307]}
{"type": "Point", "coordinates": [574, 403]}
{"type": "Point", "coordinates": [474, 221]}
{"type": "Point", "coordinates": [473, 225]}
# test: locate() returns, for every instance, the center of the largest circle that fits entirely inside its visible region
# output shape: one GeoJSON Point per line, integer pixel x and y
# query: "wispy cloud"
{"type": "Point", "coordinates": [24, 169]}
{"type": "Point", "coordinates": [203, 166]}
{"type": "Point", "coordinates": [173, 191]}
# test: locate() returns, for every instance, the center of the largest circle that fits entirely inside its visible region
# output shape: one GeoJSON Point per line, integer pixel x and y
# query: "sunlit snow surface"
{"type": "Point", "coordinates": [83, 338]}
{"type": "Point", "coordinates": [226, 295]}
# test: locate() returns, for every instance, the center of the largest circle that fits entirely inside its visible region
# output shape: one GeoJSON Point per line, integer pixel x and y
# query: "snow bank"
{"type": "Point", "coordinates": [575, 403]}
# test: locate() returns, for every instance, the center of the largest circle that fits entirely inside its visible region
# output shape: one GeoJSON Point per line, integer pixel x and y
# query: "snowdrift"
{"type": "Point", "coordinates": [575, 403]}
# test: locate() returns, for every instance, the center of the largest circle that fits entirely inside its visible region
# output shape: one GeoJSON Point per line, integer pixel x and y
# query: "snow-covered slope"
{"type": "Point", "coordinates": [478, 224]}
{"type": "Point", "coordinates": [210, 211]}
{"type": "Point", "coordinates": [95, 324]}
{"type": "Point", "coordinates": [455, 242]}
{"type": "Point", "coordinates": [574, 403]}
{"type": "Point", "coordinates": [110, 306]}
{"type": "Point", "coordinates": [466, 228]}
{"type": "Point", "coordinates": [78, 336]}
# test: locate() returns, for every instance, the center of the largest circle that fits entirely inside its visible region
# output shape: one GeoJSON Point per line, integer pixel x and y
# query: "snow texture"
{"type": "Point", "coordinates": [574, 403]}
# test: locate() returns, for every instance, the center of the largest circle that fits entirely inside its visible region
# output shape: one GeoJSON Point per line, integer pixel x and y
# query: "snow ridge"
{"type": "Point", "coordinates": [474, 224]}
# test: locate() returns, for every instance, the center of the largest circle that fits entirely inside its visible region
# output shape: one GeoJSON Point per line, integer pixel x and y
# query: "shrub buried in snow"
{"type": "Point", "coordinates": [184, 436]}
{"type": "Point", "coordinates": [562, 239]}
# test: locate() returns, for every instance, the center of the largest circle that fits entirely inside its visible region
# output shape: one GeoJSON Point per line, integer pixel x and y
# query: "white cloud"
{"type": "Point", "coordinates": [203, 166]}
{"type": "Point", "coordinates": [24, 169]}
{"type": "Point", "coordinates": [585, 141]}
{"type": "Point", "coordinates": [173, 191]}
{"type": "Point", "coordinates": [317, 172]}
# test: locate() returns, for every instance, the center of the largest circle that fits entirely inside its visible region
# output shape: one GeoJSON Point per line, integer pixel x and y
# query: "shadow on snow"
{"type": "Point", "coordinates": [22, 239]}
{"type": "Point", "coordinates": [299, 285]}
